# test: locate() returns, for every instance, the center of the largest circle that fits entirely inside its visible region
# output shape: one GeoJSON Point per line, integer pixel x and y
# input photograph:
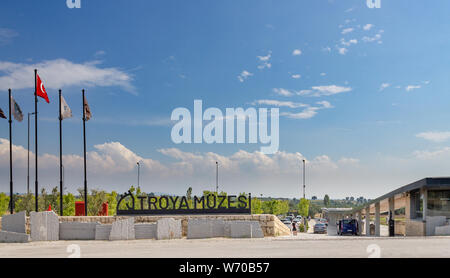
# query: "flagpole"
{"type": "Point", "coordinates": [11, 190]}
{"type": "Point", "coordinates": [61, 210]}
{"type": "Point", "coordinates": [36, 185]}
{"type": "Point", "coordinates": [84, 140]}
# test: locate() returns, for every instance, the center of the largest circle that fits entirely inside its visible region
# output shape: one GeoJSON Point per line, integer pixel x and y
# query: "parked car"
{"type": "Point", "coordinates": [323, 221]}
{"type": "Point", "coordinates": [347, 226]}
{"type": "Point", "coordinates": [287, 223]}
{"type": "Point", "coordinates": [320, 228]}
{"type": "Point", "coordinates": [297, 220]}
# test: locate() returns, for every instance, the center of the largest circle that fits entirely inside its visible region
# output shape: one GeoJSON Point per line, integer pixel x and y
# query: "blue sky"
{"type": "Point", "coordinates": [382, 72]}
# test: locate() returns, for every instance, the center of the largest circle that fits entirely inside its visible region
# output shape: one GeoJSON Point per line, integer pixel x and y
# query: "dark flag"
{"type": "Point", "coordinates": [87, 110]}
{"type": "Point", "coordinates": [2, 115]}
{"type": "Point", "coordinates": [16, 111]}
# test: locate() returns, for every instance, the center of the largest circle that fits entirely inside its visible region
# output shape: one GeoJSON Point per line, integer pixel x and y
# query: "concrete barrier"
{"type": "Point", "coordinates": [432, 222]}
{"type": "Point", "coordinates": [442, 230]}
{"type": "Point", "coordinates": [240, 230]}
{"type": "Point", "coordinates": [270, 224]}
{"type": "Point", "coordinates": [123, 230]}
{"type": "Point", "coordinates": [12, 237]}
{"type": "Point", "coordinates": [77, 230]}
{"type": "Point", "coordinates": [102, 232]}
{"type": "Point", "coordinates": [44, 226]}
{"type": "Point", "coordinates": [15, 222]}
{"type": "Point", "coordinates": [256, 228]}
{"type": "Point", "coordinates": [168, 228]}
{"type": "Point", "coordinates": [145, 231]}
{"type": "Point", "coordinates": [200, 228]}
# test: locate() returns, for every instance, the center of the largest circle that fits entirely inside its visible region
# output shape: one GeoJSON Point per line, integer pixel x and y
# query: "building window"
{"type": "Point", "coordinates": [438, 203]}
{"type": "Point", "coordinates": [418, 204]}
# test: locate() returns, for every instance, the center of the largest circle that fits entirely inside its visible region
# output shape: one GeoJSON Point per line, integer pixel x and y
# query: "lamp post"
{"type": "Point", "coordinates": [217, 177]}
{"type": "Point", "coordinates": [138, 168]}
{"type": "Point", "coordinates": [28, 158]}
{"type": "Point", "coordinates": [304, 185]}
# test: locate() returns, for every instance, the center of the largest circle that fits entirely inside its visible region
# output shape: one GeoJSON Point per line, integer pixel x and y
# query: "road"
{"type": "Point", "coordinates": [304, 245]}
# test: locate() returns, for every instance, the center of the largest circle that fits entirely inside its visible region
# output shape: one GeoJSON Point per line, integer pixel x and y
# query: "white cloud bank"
{"type": "Point", "coordinates": [315, 91]}
{"type": "Point", "coordinates": [112, 166]}
{"type": "Point", "coordinates": [433, 136]}
{"type": "Point", "coordinates": [62, 73]}
{"type": "Point", "coordinates": [244, 75]}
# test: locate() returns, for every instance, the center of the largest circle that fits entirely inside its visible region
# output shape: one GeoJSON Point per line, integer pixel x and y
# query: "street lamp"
{"type": "Point", "coordinates": [304, 185]}
{"type": "Point", "coordinates": [28, 158]}
{"type": "Point", "coordinates": [139, 167]}
{"type": "Point", "coordinates": [217, 177]}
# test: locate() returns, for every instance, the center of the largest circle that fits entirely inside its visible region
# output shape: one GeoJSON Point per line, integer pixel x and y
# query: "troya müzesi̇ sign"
{"type": "Point", "coordinates": [207, 204]}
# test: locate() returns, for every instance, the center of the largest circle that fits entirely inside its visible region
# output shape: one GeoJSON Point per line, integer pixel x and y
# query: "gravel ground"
{"type": "Point", "coordinates": [303, 245]}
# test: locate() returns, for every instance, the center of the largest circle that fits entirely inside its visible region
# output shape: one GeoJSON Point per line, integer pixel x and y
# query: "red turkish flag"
{"type": "Point", "coordinates": [40, 90]}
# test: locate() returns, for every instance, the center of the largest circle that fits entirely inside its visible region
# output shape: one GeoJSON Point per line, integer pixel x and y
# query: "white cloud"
{"type": "Point", "coordinates": [384, 86]}
{"type": "Point", "coordinates": [328, 90]}
{"type": "Point", "coordinates": [308, 112]}
{"type": "Point", "coordinates": [442, 153]}
{"type": "Point", "coordinates": [278, 103]}
{"type": "Point", "coordinates": [7, 35]}
{"type": "Point", "coordinates": [326, 49]}
{"type": "Point", "coordinates": [349, 42]}
{"type": "Point", "coordinates": [100, 53]}
{"type": "Point", "coordinates": [367, 27]}
{"type": "Point", "coordinates": [296, 52]}
{"type": "Point", "coordinates": [325, 104]}
{"type": "Point", "coordinates": [283, 92]}
{"type": "Point", "coordinates": [296, 76]}
{"type": "Point", "coordinates": [412, 87]}
{"type": "Point", "coordinates": [244, 75]}
{"type": "Point", "coordinates": [62, 73]}
{"type": "Point", "coordinates": [435, 136]}
{"type": "Point", "coordinates": [348, 160]}
{"type": "Point", "coordinates": [342, 50]}
{"type": "Point", "coordinates": [323, 74]}
{"type": "Point", "coordinates": [265, 61]}
{"type": "Point", "coordinates": [347, 30]}
{"type": "Point", "coordinates": [375, 38]}
{"type": "Point", "coordinates": [305, 114]}
{"type": "Point", "coordinates": [349, 10]}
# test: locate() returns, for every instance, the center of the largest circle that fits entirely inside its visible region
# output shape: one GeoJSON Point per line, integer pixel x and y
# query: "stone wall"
{"type": "Point", "coordinates": [270, 224]}
{"type": "Point", "coordinates": [400, 228]}
{"type": "Point", "coordinates": [415, 228]}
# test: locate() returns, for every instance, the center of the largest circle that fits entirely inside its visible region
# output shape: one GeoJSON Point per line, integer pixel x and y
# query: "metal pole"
{"type": "Point", "coordinates": [11, 189]}
{"type": "Point", "coordinates": [217, 177]}
{"type": "Point", "coordinates": [304, 185]}
{"type": "Point", "coordinates": [139, 166]}
{"type": "Point", "coordinates": [61, 210]}
{"type": "Point", "coordinates": [84, 143]}
{"type": "Point", "coordinates": [28, 157]}
{"type": "Point", "coordinates": [36, 184]}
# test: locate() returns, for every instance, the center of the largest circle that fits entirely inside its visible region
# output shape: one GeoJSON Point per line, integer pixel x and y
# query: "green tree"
{"type": "Point", "coordinates": [69, 204]}
{"type": "Point", "coordinates": [189, 193]}
{"type": "Point", "coordinates": [326, 200]}
{"type": "Point", "coordinates": [303, 207]}
{"type": "Point", "coordinates": [257, 206]}
{"type": "Point", "coordinates": [4, 202]}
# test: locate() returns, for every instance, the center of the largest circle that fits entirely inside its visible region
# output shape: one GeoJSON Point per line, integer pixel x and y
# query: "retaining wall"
{"type": "Point", "coordinates": [270, 224]}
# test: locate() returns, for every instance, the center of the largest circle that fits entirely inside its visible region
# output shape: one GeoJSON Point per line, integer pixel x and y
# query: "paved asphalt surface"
{"type": "Point", "coordinates": [303, 245]}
